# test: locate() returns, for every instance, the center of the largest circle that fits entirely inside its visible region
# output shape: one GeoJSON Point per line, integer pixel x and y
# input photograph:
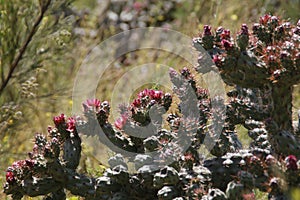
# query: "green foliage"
{"type": "Point", "coordinates": [33, 37]}
{"type": "Point", "coordinates": [96, 171]}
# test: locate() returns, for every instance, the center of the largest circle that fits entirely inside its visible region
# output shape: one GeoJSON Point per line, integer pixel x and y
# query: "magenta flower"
{"type": "Point", "coordinates": [226, 44]}
{"type": "Point", "coordinates": [49, 129]}
{"type": "Point", "coordinates": [20, 164]}
{"type": "Point", "coordinates": [91, 103]}
{"type": "Point", "coordinates": [59, 120]}
{"type": "Point", "coordinates": [10, 177]}
{"type": "Point", "coordinates": [225, 34]}
{"type": "Point", "coordinates": [150, 93]}
{"type": "Point", "coordinates": [217, 59]}
{"type": "Point", "coordinates": [264, 20]}
{"type": "Point", "coordinates": [291, 162]}
{"type": "Point", "coordinates": [30, 163]}
{"type": "Point", "coordinates": [244, 30]}
{"type": "Point", "coordinates": [136, 102]}
{"type": "Point", "coordinates": [119, 123]}
{"type": "Point", "coordinates": [143, 93]}
{"type": "Point", "coordinates": [71, 124]}
{"type": "Point", "coordinates": [157, 95]}
{"type": "Point", "coordinates": [207, 30]}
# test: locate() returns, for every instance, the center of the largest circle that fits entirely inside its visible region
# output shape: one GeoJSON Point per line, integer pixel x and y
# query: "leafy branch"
{"type": "Point", "coordinates": [44, 5]}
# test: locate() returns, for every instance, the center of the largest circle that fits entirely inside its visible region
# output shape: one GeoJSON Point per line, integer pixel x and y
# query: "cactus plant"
{"type": "Point", "coordinates": [262, 65]}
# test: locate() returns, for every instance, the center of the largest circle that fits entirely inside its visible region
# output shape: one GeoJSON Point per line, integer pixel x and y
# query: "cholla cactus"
{"type": "Point", "coordinates": [267, 60]}
{"type": "Point", "coordinates": [267, 57]}
{"type": "Point", "coordinates": [259, 64]}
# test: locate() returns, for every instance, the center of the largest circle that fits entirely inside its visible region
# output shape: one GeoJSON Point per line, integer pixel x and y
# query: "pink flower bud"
{"type": "Point", "coordinates": [119, 123]}
{"type": "Point", "coordinates": [225, 34]}
{"type": "Point", "coordinates": [207, 30]}
{"type": "Point", "coordinates": [256, 27]}
{"type": "Point", "coordinates": [91, 104]}
{"type": "Point", "coordinates": [138, 6]}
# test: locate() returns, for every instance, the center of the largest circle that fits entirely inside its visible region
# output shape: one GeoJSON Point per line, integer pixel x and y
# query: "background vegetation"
{"type": "Point", "coordinates": [43, 42]}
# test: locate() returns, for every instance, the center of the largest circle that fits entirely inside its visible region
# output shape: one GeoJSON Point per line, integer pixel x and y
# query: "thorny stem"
{"type": "Point", "coordinates": [282, 107]}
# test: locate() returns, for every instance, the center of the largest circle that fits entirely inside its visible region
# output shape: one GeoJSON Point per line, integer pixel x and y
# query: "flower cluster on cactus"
{"type": "Point", "coordinates": [261, 64]}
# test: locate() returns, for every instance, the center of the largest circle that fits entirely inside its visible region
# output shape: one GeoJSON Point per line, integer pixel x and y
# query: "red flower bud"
{"type": "Point", "coordinates": [225, 34]}
{"type": "Point", "coordinates": [207, 30]}
{"type": "Point", "coordinates": [158, 95]}
{"type": "Point", "coordinates": [58, 120]}
{"type": "Point", "coordinates": [136, 102]}
{"type": "Point", "coordinates": [291, 162]}
{"type": "Point", "coordinates": [217, 59]}
{"type": "Point", "coordinates": [10, 177]}
{"type": "Point", "coordinates": [71, 124]}
{"type": "Point", "coordinates": [256, 27]}
{"type": "Point", "coordinates": [19, 164]}
{"type": "Point", "coordinates": [273, 22]}
{"type": "Point", "coordinates": [227, 45]}
{"type": "Point", "coordinates": [264, 20]}
{"type": "Point", "coordinates": [244, 30]}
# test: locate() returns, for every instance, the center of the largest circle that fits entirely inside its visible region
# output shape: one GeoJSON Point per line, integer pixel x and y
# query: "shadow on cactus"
{"type": "Point", "coordinates": [262, 65]}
